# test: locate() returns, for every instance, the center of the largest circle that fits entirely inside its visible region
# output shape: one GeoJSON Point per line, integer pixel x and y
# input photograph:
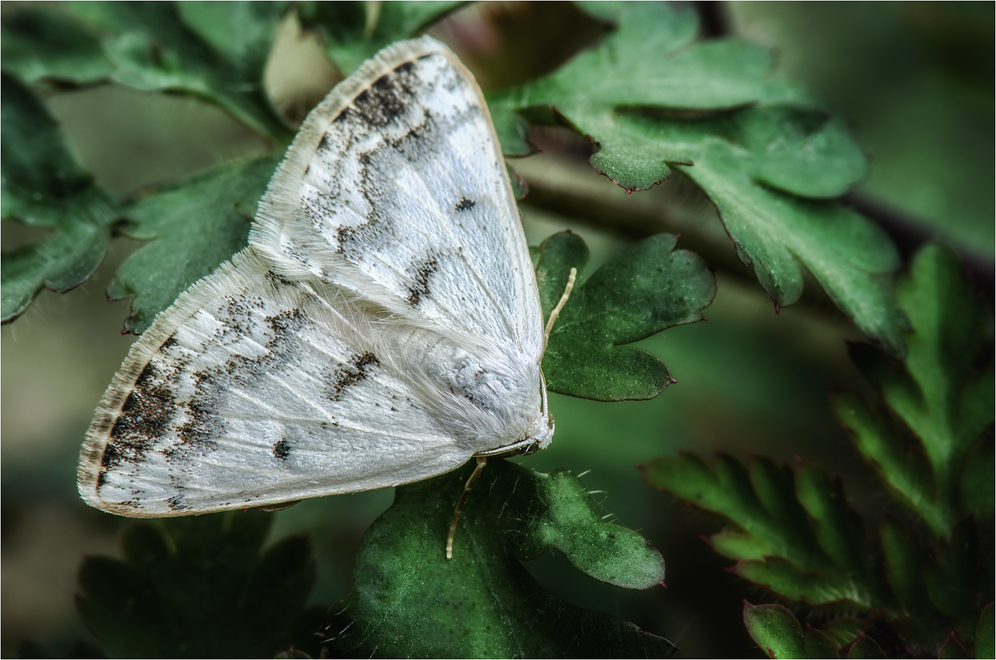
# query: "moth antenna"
{"type": "Point", "coordinates": [481, 462]}
{"type": "Point", "coordinates": [560, 305]}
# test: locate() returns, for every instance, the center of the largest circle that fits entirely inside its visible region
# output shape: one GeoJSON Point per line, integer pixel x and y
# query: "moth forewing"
{"type": "Point", "coordinates": [382, 327]}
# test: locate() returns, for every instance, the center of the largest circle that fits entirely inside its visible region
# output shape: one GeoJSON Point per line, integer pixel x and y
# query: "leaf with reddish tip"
{"type": "Point", "coordinates": [939, 395]}
{"type": "Point", "coordinates": [775, 630]}
{"type": "Point", "coordinates": [797, 536]}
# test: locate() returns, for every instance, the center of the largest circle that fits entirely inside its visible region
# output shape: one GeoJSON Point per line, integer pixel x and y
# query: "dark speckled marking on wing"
{"type": "Point", "coordinates": [420, 272]}
{"type": "Point", "coordinates": [351, 373]}
{"type": "Point", "coordinates": [387, 98]}
{"type": "Point", "coordinates": [204, 424]}
{"type": "Point", "coordinates": [145, 415]}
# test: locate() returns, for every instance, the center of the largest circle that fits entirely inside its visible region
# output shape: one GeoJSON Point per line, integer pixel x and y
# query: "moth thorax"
{"type": "Point", "coordinates": [480, 393]}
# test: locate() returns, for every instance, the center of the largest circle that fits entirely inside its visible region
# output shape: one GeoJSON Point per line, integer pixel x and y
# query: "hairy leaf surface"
{"type": "Point", "coordinates": [410, 600]}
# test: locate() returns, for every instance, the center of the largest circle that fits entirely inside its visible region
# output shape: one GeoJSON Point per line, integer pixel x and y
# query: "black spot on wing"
{"type": "Point", "coordinates": [421, 271]}
{"type": "Point", "coordinates": [351, 373]}
{"type": "Point", "coordinates": [465, 204]}
{"type": "Point", "coordinates": [281, 450]}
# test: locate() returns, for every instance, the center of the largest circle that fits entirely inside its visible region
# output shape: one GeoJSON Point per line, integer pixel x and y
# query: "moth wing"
{"type": "Point", "coordinates": [253, 390]}
{"type": "Point", "coordinates": [395, 188]}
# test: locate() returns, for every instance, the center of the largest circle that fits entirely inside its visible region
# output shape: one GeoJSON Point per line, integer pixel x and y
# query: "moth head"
{"type": "Point", "coordinates": [539, 434]}
{"type": "Point", "coordinates": [540, 431]}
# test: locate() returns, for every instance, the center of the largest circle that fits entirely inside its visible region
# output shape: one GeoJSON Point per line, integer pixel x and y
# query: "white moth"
{"type": "Point", "coordinates": [382, 327]}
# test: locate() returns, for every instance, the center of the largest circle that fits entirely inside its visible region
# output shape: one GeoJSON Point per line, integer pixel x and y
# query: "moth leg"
{"type": "Point", "coordinates": [481, 462]}
{"type": "Point", "coordinates": [560, 305]}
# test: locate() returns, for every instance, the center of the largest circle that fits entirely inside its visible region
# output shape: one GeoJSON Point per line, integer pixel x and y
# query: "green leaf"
{"type": "Point", "coordinates": [985, 638]}
{"type": "Point", "coordinates": [214, 52]}
{"type": "Point", "coordinates": [554, 260]}
{"type": "Point", "coordinates": [643, 290]}
{"type": "Point", "coordinates": [819, 645]}
{"type": "Point", "coordinates": [44, 186]}
{"type": "Point", "coordinates": [200, 587]}
{"type": "Point", "coordinates": [978, 489]}
{"type": "Point", "coordinates": [843, 630]}
{"type": "Point", "coordinates": [940, 396]}
{"type": "Point", "coordinates": [866, 647]}
{"type": "Point", "coordinates": [652, 102]}
{"type": "Point", "coordinates": [797, 535]}
{"type": "Point", "coordinates": [411, 601]}
{"type": "Point", "coordinates": [904, 564]}
{"type": "Point", "coordinates": [850, 257]}
{"type": "Point", "coordinates": [197, 224]}
{"type": "Point", "coordinates": [810, 587]}
{"type": "Point", "coordinates": [41, 44]}
{"type": "Point", "coordinates": [840, 531]}
{"type": "Point", "coordinates": [775, 630]}
{"type": "Point", "coordinates": [355, 31]}
{"type": "Point", "coordinates": [953, 577]}
{"type": "Point", "coordinates": [512, 131]}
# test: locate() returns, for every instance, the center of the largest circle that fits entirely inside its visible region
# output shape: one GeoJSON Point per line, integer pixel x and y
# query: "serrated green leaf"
{"type": "Point", "coordinates": [44, 186]}
{"type": "Point", "coordinates": [939, 396]}
{"type": "Point", "coordinates": [645, 289]}
{"type": "Point", "coordinates": [866, 647]}
{"type": "Point", "coordinates": [211, 51]}
{"type": "Point", "coordinates": [843, 630]}
{"type": "Point", "coordinates": [760, 500]}
{"type": "Point", "coordinates": [850, 257]}
{"type": "Point", "coordinates": [738, 545]}
{"type": "Point", "coordinates": [799, 536]}
{"type": "Point", "coordinates": [952, 578]}
{"type": "Point", "coordinates": [904, 469]}
{"type": "Point", "coordinates": [44, 44]}
{"type": "Point", "coordinates": [200, 587]}
{"type": "Point", "coordinates": [840, 531]}
{"type": "Point", "coordinates": [411, 601]}
{"type": "Point", "coordinates": [631, 96]}
{"type": "Point", "coordinates": [985, 635]}
{"type": "Point", "coordinates": [650, 61]}
{"type": "Point", "coordinates": [197, 224]}
{"type": "Point", "coordinates": [904, 564]}
{"type": "Point", "coordinates": [819, 645]}
{"type": "Point", "coordinates": [775, 630]}
{"type": "Point", "coordinates": [355, 31]}
{"type": "Point", "coordinates": [802, 586]}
